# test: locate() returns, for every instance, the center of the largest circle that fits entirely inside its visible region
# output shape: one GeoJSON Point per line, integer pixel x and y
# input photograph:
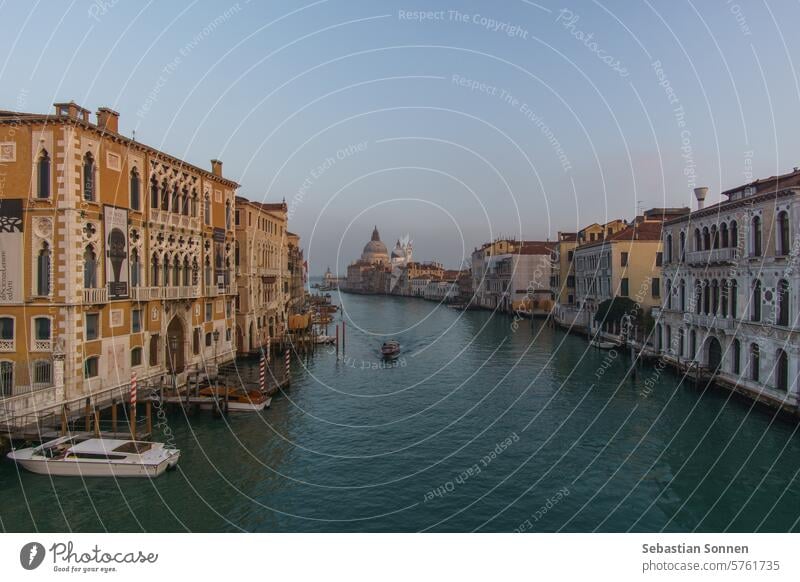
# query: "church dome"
{"type": "Point", "coordinates": [375, 251]}
{"type": "Point", "coordinates": [398, 252]}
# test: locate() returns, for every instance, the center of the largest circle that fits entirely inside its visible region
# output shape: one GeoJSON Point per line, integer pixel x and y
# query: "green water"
{"type": "Point", "coordinates": [483, 424]}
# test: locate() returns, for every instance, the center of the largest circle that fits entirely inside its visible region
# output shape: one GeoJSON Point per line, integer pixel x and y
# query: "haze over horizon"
{"type": "Point", "coordinates": [476, 121]}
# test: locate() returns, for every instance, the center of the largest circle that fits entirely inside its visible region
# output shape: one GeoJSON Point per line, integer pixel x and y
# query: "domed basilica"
{"type": "Point", "coordinates": [375, 251]}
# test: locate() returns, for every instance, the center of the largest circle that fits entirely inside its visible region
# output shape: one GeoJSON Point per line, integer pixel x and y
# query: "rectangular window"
{"type": "Point", "coordinates": [655, 287]}
{"type": "Point", "coordinates": [624, 259]}
{"type": "Point", "coordinates": [209, 311]}
{"type": "Point", "coordinates": [196, 341]}
{"type": "Point", "coordinates": [136, 357]}
{"type": "Point", "coordinates": [228, 334]}
{"type": "Point", "coordinates": [90, 367]}
{"type": "Point", "coordinates": [136, 320]}
{"type": "Point", "coordinates": [92, 326]}
{"type": "Point", "coordinates": [42, 328]}
{"type": "Point", "coordinates": [623, 287]}
{"type": "Point", "coordinates": [236, 217]}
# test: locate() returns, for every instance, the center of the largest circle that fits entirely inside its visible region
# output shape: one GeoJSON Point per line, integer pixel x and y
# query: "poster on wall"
{"type": "Point", "coordinates": [115, 221]}
{"type": "Point", "coordinates": [11, 243]}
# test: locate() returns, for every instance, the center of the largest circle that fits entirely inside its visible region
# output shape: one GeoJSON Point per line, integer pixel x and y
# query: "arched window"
{"type": "Point", "coordinates": [681, 347]}
{"type": "Point", "coordinates": [227, 216]}
{"type": "Point", "coordinates": [755, 362]}
{"type": "Point", "coordinates": [135, 190]}
{"type": "Point", "coordinates": [724, 293]}
{"type": "Point", "coordinates": [736, 357]}
{"type": "Point", "coordinates": [236, 253]}
{"type": "Point", "coordinates": [164, 196]}
{"type": "Point", "coordinates": [682, 290]}
{"type": "Point", "coordinates": [175, 206]}
{"type": "Point", "coordinates": [706, 297]}
{"type": "Point", "coordinates": [194, 203]}
{"type": "Point", "coordinates": [698, 296]}
{"type": "Point", "coordinates": [166, 267]}
{"type": "Point", "coordinates": [89, 268]}
{"type": "Point", "coordinates": [783, 233]}
{"type": "Point", "coordinates": [693, 344]}
{"type": "Point", "coordinates": [755, 226]}
{"type": "Point", "coordinates": [698, 243]}
{"type": "Point", "coordinates": [88, 177]}
{"type": "Point", "coordinates": [723, 231]}
{"type": "Point", "coordinates": [207, 273]}
{"type": "Point", "coordinates": [186, 272]}
{"type": "Point", "coordinates": [43, 175]}
{"type": "Point", "coordinates": [153, 192]}
{"type": "Point", "coordinates": [207, 209]}
{"type": "Point", "coordinates": [6, 378]}
{"type": "Point", "coordinates": [755, 303]}
{"type": "Point", "coordinates": [136, 268]}
{"type": "Point", "coordinates": [783, 303]}
{"type": "Point", "coordinates": [659, 339]}
{"type": "Point", "coordinates": [185, 202]}
{"type": "Point", "coordinates": [669, 248]}
{"type": "Point", "coordinates": [714, 297]}
{"type": "Point", "coordinates": [91, 367]}
{"type": "Point", "coordinates": [154, 270]}
{"type": "Point", "coordinates": [706, 239]}
{"type": "Point", "coordinates": [714, 237]}
{"type": "Point", "coordinates": [782, 371]}
{"type": "Point", "coordinates": [43, 271]}
{"type": "Point", "coordinates": [136, 357]}
{"type": "Point", "coordinates": [195, 273]}
{"type": "Point", "coordinates": [176, 271]}
{"type": "Point", "coordinates": [668, 292]}
{"type": "Point", "coordinates": [734, 291]}
{"type": "Point", "coordinates": [682, 245]}
{"type": "Point", "coordinates": [734, 234]}
{"type": "Point", "coordinates": [154, 351]}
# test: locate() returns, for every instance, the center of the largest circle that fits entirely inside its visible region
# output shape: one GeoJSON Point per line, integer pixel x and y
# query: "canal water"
{"type": "Point", "coordinates": [484, 423]}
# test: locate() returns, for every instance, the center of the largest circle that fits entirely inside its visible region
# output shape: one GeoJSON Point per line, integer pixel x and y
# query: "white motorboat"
{"type": "Point", "coordinates": [70, 456]}
{"type": "Point", "coordinates": [325, 339]}
{"type": "Point", "coordinates": [239, 399]}
{"type": "Point", "coordinates": [603, 345]}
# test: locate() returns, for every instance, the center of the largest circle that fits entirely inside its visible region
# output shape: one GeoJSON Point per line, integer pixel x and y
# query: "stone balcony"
{"type": "Point", "coordinates": [156, 293]}
{"type": "Point", "coordinates": [713, 256]}
{"type": "Point", "coordinates": [174, 220]}
{"type": "Point", "coordinates": [95, 295]}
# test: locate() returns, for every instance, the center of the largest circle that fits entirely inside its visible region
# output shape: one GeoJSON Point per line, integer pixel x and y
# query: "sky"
{"type": "Point", "coordinates": [453, 122]}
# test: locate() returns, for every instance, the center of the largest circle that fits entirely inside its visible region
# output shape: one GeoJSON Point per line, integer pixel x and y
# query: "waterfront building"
{"type": "Point", "coordinates": [626, 264]}
{"type": "Point", "coordinates": [295, 282]}
{"type": "Point", "coordinates": [419, 284]}
{"type": "Point", "coordinates": [562, 275]}
{"type": "Point", "coordinates": [261, 258]}
{"type": "Point", "coordinates": [730, 290]}
{"type": "Point", "coordinates": [117, 259]}
{"type": "Point", "coordinates": [371, 273]}
{"type": "Point", "coordinates": [510, 275]}
{"type": "Point", "coordinates": [401, 257]}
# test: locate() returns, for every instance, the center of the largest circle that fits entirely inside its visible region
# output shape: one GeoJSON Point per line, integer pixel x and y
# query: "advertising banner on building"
{"type": "Point", "coordinates": [11, 246]}
{"type": "Point", "coordinates": [115, 222]}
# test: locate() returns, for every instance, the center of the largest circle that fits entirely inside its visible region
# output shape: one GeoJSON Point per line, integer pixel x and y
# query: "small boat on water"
{"type": "Point", "coordinates": [603, 345]}
{"type": "Point", "coordinates": [324, 339]}
{"type": "Point", "coordinates": [71, 456]}
{"type": "Point", "coordinates": [239, 399]}
{"type": "Point", "coordinates": [390, 349]}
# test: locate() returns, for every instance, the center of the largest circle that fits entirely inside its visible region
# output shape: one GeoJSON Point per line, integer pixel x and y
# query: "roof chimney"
{"type": "Point", "coordinates": [700, 194]}
{"type": "Point", "coordinates": [72, 110]}
{"type": "Point", "coordinates": [216, 168]}
{"type": "Point", "coordinates": [108, 120]}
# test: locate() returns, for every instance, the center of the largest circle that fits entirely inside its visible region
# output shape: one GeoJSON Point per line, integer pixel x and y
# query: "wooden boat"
{"type": "Point", "coordinates": [239, 399]}
{"type": "Point", "coordinates": [390, 349]}
{"type": "Point", "coordinates": [71, 456]}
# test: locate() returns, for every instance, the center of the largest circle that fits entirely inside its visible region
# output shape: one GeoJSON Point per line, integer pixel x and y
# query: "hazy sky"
{"type": "Point", "coordinates": [483, 119]}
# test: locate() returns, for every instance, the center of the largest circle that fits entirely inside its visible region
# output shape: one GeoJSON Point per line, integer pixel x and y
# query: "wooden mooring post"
{"type": "Point", "coordinates": [114, 425]}
{"type": "Point", "coordinates": [64, 420]}
{"type": "Point", "coordinates": [87, 415]}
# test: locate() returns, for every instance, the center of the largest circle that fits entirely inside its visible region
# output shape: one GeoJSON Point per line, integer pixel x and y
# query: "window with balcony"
{"type": "Point", "coordinates": [734, 234]}
{"type": "Point", "coordinates": [723, 233]}
{"type": "Point", "coordinates": [88, 177]}
{"type": "Point", "coordinates": [668, 246]}
{"type": "Point", "coordinates": [185, 202]}
{"type": "Point", "coordinates": [154, 192]}
{"type": "Point", "coordinates": [207, 209]}
{"type": "Point", "coordinates": [43, 260]}
{"type": "Point", "coordinates": [136, 194]}
{"type": "Point", "coordinates": [154, 271]}
{"type": "Point", "coordinates": [7, 334]}
{"type": "Point", "coordinates": [42, 334]}
{"type": "Point", "coordinates": [89, 268]}
{"type": "Point", "coordinates": [175, 205]}
{"type": "Point", "coordinates": [43, 176]}
{"type": "Point", "coordinates": [136, 268]}
{"type": "Point", "coordinates": [668, 292]}
{"type": "Point", "coordinates": [91, 367]}
{"type": "Point", "coordinates": [164, 196]}
{"type": "Point", "coordinates": [92, 326]}
{"type": "Point", "coordinates": [783, 306]}
{"type": "Point", "coordinates": [698, 243]}
{"type": "Point", "coordinates": [682, 293]}
{"type": "Point", "coordinates": [682, 249]}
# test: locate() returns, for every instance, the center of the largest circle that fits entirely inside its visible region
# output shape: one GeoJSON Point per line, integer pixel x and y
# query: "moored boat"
{"type": "Point", "coordinates": [603, 345]}
{"type": "Point", "coordinates": [238, 399]}
{"type": "Point", "coordinates": [71, 456]}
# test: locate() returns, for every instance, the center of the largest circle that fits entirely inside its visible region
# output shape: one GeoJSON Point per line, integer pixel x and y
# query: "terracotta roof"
{"type": "Point", "coordinates": [531, 247]}
{"type": "Point", "coordinates": [649, 230]}
{"type": "Point", "coordinates": [772, 184]}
